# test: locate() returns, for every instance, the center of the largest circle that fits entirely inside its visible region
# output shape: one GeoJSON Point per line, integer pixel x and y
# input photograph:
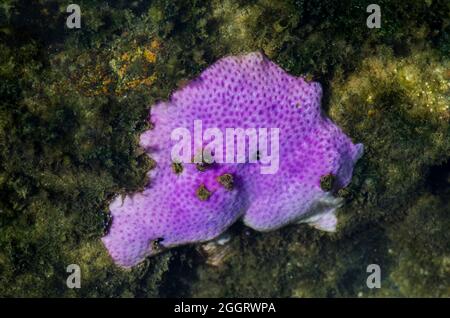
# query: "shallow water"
{"type": "Point", "coordinates": [74, 101]}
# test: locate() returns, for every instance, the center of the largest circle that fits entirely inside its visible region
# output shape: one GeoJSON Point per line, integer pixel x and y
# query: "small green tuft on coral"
{"type": "Point", "coordinates": [177, 167]}
{"type": "Point", "coordinates": [226, 180]}
{"type": "Point", "coordinates": [203, 193]}
{"type": "Point", "coordinates": [327, 182]}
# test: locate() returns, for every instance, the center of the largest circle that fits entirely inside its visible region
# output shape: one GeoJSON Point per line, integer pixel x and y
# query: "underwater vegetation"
{"type": "Point", "coordinates": [74, 102]}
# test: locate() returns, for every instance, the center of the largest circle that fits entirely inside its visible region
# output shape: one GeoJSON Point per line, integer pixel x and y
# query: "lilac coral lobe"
{"type": "Point", "coordinates": [247, 91]}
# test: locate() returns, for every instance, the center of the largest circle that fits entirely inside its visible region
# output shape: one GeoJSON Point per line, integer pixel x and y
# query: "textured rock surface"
{"type": "Point", "coordinates": [247, 91]}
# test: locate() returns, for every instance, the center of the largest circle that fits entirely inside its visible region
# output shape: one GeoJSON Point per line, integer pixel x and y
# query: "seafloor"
{"type": "Point", "coordinates": [73, 102]}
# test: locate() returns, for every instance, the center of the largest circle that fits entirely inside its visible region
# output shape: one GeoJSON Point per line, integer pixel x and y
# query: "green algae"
{"type": "Point", "coordinates": [203, 193]}
{"type": "Point", "coordinates": [226, 180]}
{"type": "Point", "coordinates": [421, 247]}
{"type": "Point", "coordinates": [177, 167]}
{"type": "Point", "coordinates": [327, 182]}
{"type": "Point", "coordinates": [74, 102]}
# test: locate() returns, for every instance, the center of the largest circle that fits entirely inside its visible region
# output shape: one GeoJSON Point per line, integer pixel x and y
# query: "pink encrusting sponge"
{"type": "Point", "coordinates": [194, 200]}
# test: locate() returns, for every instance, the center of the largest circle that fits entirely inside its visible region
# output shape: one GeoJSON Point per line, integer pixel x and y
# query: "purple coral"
{"type": "Point", "coordinates": [188, 202]}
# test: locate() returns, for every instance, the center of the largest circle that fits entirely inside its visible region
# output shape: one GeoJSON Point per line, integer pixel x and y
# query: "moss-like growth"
{"type": "Point", "coordinates": [327, 182]}
{"type": "Point", "coordinates": [422, 249]}
{"type": "Point", "coordinates": [203, 193]}
{"type": "Point", "coordinates": [396, 107]}
{"type": "Point", "coordinates": [177, 167]}
{"type": "Point", "coordinates": [157, 244]}
{"type": "Point", "coordinates": [226, 180]}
